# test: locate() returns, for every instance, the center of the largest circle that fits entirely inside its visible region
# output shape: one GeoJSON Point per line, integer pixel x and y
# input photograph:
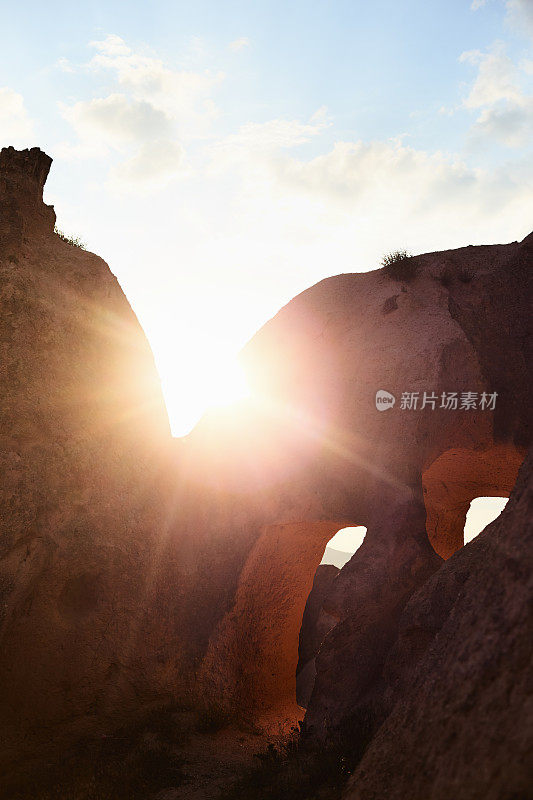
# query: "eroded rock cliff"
{"type": "Point", "coordinates": [458, 678]}
{"type": "Point", "coordinates": [82, 426]}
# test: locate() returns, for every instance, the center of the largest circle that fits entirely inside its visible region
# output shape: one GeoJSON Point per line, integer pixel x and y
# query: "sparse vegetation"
{"type": "Point", "coordinates": [297, 770]}
{"type": "Point", "coordinates": [148, 757]}
{"type": "Point", "coordinates": [291, 771]}
{"type": "Point", "coordinates": [465, 276]}
{"type": "Point", "coordinates": [445, 278]}
{"type": "Point", "coordinates": [75, 241]}
{"type": "Point", "coordinates": [448, 276]}
{"type": "Point", "coordinates": [399, 265]}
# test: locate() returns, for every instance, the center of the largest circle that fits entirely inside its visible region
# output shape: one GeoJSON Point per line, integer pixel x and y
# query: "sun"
{"type": "Point", "coordinates": [197, 382]}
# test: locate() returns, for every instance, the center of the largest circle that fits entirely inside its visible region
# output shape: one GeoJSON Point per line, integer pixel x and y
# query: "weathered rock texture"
{"type": "Point", "coordinates": [132, 571]}
{"type": "Point", "coordinates": [311, 446]}
{"type": "Point", "coordinates": [459, 677]}
{"type": "Point", "coordinates": [316, 624]}
{"type": "Point", "coordinates": [82, 418]}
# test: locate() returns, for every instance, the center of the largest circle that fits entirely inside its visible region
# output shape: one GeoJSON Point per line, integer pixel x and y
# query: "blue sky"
{"type": "Point", "coordinates": [223, 156]}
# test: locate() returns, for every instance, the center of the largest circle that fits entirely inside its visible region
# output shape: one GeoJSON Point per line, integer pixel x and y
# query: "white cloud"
{"type": "Point", "coordinates": [154, 111]}
{"type": "Point", "coordinates": [391, 181]}
{"type": "Point", "coordinates": [272, 134]}
{"type": "Point", "coordinates": [511, 123]}
{"type": "Point", "coordinates": [116, 119]}
{"type": "Point", "coordinates": [372, 194]}
{"type": "Point", "coordinates": [498, 93]}
{"type": "Point", "coordinates": [520, 15]}
{"type": "Point", "coordinates": [65, 65]}
{"type": "Point", "coordinates": [496, 79]}
{"type": "Point", "coordinates": [239, 44]}
{"type": "Point", "coordinates": [256, 141]}
{"type": "Point", "coordinates": [183, 95]}
{"type": "Point", "coordinates": [155, 162]}
{"type": "Point", "coordinates": [112, 46]}
{"type": "Point", "coordinates": [16, 127]}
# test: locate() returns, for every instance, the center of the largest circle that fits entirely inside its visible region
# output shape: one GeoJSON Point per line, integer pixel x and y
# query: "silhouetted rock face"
{"type": "Point", "coordinates": [83, 421]}
{"type": "Point", "coordinates": [459, 676]}
{"type": "Point", "coordinates": [312, 446]}
{"type": "Point", "coordinates": [312, 634]}
{"type": "Point", "coordinates": [22, 177]}
{"type": "Point", "coordinates": [316, 624]}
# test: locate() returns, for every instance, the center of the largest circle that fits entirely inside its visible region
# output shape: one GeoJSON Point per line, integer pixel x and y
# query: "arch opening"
{"type": "Point", "coordinates": [252, 660]}
{"type": "Point", "coordinates": [343, 545]}
{"type": "Point", "coordinates": [317, 621]}
{"type": "Point", "coordinates": [482, 511]}
{"type": "Point", "coordinates": [459, 478]}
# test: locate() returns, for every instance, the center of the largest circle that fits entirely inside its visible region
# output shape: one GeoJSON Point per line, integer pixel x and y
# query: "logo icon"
{"type": "Point", "coordinates": [384, 400]}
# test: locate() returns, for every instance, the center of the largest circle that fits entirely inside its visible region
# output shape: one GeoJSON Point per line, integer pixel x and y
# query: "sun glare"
{"type": "Point", "coordinates": [190, 392]}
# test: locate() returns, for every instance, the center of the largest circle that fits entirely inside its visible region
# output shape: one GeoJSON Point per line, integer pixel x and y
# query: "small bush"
{"type": "Point", "coordinates": [445, 278]}
{"type": "Point", "coordinates": [399, 265]}
{"type": "Point", "coordinates": [465, 276]}
{"type": "Point", "coordinates": [448, 276]}
{"type": "Point", "coordinates": [292, 771]}
{"type": "Point", "coordinates": [75, 241]}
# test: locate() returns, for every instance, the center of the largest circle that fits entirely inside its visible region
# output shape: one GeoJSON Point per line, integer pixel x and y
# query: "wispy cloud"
{"type": "Point", "coordinates": [149, 119]}
{"type": "Point", "coordinates": [239, 44]}
{"type": "Point", "coordinates": [520, 15]}
{"type": "Point", "coordinates": [500, 94]}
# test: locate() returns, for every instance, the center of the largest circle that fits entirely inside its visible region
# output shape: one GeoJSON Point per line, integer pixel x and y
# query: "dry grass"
{"type": "Point", "coordinates": [75, 241]}
{"type": "Point", "coordinates": [399, 266]}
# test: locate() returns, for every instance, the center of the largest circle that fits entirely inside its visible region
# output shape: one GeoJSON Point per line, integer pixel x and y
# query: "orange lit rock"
{"type": "Point", "coordinates": [456, 478]}
{"type": "Point", "coordinates": [266, 619]}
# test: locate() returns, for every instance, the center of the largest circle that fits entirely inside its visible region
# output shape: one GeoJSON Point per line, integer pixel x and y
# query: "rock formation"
{"type": "Point", "coordinates": [134, 569]}
{"type": "Point", "coordinates": [312, 447]}
{"type": "Point", "coordinates": [316, 624]}
{"type": "Point", "coordinates": [83, 419]}
{"type": "Point", "coordinates": [458, 678]}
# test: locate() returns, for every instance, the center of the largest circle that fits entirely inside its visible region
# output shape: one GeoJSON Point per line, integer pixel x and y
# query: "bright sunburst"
{"type": "Point", "coordinates": [206, 383]}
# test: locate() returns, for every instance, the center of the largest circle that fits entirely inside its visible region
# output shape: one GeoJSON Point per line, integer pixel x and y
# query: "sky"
{"type": "Point", "coordinates": [482, 511]}
{"type": "Point", "coordinates": [224, 156]}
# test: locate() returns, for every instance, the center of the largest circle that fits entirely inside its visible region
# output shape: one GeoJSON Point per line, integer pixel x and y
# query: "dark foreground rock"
{"type": "Point", "coordinates": [316, 624]}
{"type": "Point", "coordinates": [459, 678]}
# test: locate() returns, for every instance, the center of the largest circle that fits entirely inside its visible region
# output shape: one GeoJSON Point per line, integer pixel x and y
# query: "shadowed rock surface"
{"type": "Point", "coordinates": [136, 570]}
{"type": "Point", "coordinates": [459, 677]}
{"type": "Point", "coordinates": [83, 419]}
{"type": "Point", "coordinates": [316, 624]}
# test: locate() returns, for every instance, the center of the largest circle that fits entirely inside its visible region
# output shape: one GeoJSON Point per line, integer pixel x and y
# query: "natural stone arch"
{"type": "Point", "coordinates": [253, 658]}
{"type": "Point", "coordinates": [456, 478]}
